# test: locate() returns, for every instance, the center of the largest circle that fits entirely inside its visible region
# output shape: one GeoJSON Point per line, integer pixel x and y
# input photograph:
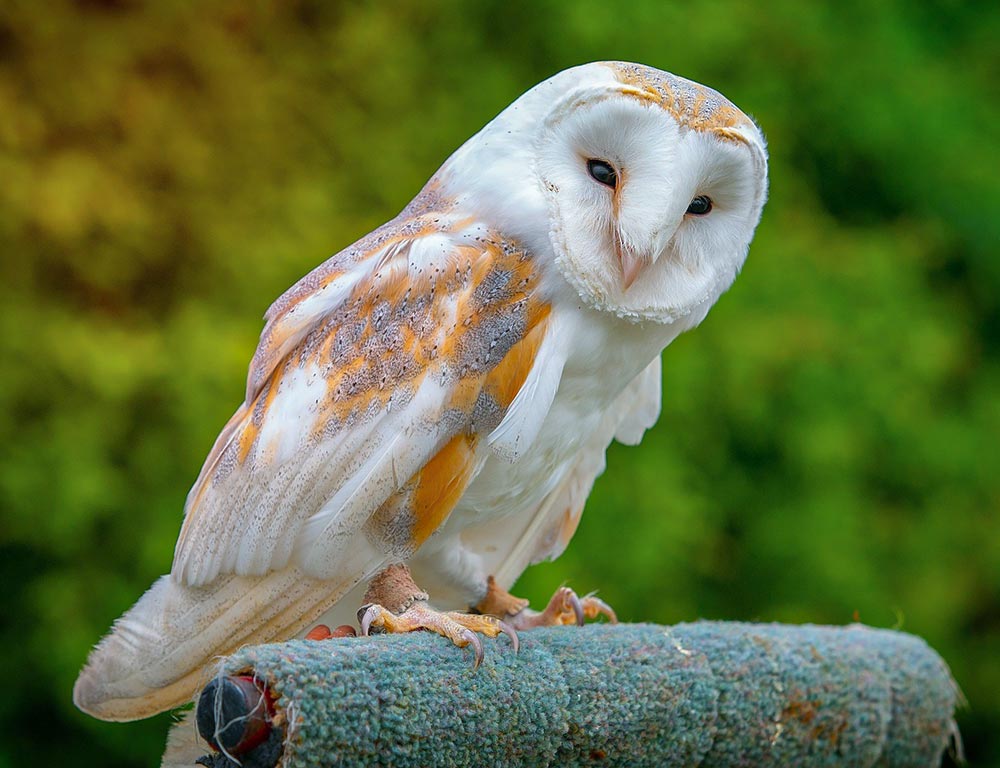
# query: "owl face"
{"type": "Point", "coordinates": [646, 187]}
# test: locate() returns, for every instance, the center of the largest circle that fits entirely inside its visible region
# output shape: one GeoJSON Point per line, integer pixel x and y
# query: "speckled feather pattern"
{"type": "Point", "coordinates": [691, 104]}
{"type": "Point", "coordinates": [466, 320]}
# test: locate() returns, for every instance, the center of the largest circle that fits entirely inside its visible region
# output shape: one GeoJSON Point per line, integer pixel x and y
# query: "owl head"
{"type": "Point", "coordinates": [644, 187]}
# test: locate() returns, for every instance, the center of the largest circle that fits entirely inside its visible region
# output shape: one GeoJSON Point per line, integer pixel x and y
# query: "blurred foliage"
{"type": "Point", "coordinates": [828, 443]}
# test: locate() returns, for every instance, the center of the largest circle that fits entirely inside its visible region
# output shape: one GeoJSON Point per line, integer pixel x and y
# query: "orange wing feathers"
{"type": "Point", "coordinates": [434, 332]}
{"type": "Point", "coordinates": [377, 380]}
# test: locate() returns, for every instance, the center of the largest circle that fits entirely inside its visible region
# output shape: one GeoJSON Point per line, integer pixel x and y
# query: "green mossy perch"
{"type": "Point", "coordinates": [704, 694]}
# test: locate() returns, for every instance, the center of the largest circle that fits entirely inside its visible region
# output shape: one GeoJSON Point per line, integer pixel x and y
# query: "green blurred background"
{"type": "Point", "coordinates": [828, 444]}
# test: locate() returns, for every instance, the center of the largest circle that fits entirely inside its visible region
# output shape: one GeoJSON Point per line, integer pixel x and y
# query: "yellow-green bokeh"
{"type": "Point", "coordinates": [828, 443]}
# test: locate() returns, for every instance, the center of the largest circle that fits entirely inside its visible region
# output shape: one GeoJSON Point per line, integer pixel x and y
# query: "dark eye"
{"type": "Point", "coordinates": [700, 206]}
{"type": "Point", "coordinates": [603, 172]}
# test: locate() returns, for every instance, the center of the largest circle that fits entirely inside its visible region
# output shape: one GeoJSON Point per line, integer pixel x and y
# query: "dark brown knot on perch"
{"type": "Point", "coordinates": [236, 717]}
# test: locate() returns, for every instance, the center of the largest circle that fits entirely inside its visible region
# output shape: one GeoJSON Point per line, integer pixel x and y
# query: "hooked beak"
{"type": "Point", "coordinates": [632, 262]}
{"type": "Point", "coordinates": [631, 267]}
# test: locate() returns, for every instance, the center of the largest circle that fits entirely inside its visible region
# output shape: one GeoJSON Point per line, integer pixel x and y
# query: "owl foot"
{"type": "Point", "coordinates": [395, 604]}
{"type": "Point", "coordinates": [463, 629]}
{"type": "Point", "coordinates": [565, 607]}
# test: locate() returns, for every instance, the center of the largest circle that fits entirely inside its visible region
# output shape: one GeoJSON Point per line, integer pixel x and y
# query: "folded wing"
{"type": "Point", "coordinates": [352, 397]}
{"type": "Point", "coordinates": [371, 401]}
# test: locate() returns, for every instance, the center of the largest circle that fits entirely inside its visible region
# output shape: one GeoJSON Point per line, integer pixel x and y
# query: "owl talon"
{"type": "Point", "coordinates": [577, 607]}
{"type": "Point", "coordinates": [366, 616]}
{"type": "Point", "coordinates": [508, 630]}
{"type": "Point", "coordinates": [463, 629]}
{"type": "Point", "coordinates": [594, 607]}
{"type": "Point", "coordinates": [477, 646]}
{"type": "Point", "coordinates": [565, 607]}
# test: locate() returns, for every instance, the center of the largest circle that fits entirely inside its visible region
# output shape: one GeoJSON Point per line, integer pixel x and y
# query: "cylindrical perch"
{"type": "Point", "coordinates": [703, 694]}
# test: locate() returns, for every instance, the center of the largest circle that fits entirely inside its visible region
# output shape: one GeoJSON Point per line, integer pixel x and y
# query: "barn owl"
{"type": "Point", "coordinates": [441, 393]}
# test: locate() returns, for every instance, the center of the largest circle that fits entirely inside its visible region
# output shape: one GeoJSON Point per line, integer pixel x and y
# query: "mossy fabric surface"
{"type": "Point", "coordinates": [703, 694]}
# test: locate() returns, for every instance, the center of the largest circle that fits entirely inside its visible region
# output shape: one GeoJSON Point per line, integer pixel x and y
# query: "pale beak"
{"type": "Point", "coordinates": [632, 263]}
{"type": "Point", "coordinates": [631, 267]}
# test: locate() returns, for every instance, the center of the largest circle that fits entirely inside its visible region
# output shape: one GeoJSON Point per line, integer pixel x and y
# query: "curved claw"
{"type": "Point", "coordinates": [577, 607]}
{"type": "Point", "coordinates": [601, 608]}
{"type": "Point", "coordinates": [508, 630]}
{"type": "Point", "coordinates": [472, 639]}
{"type": "Point", "coordinates": [366, 616]}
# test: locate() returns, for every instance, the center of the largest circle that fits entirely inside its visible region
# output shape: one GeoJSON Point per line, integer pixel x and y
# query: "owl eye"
{"type": "Point", "coordinates": [603, 172]}
{"type": "Point", "coordinates": [700, 206]}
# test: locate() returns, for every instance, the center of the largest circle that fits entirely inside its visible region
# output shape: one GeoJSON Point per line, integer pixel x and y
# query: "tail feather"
{"type": "Point", "coordinates": [158, 654]}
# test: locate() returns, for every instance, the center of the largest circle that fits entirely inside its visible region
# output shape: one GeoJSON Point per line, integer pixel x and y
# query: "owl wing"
{"type": "Point", "coordinates": [379, 381]}
{"type": "Point", "coordinates": [382, 381]}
